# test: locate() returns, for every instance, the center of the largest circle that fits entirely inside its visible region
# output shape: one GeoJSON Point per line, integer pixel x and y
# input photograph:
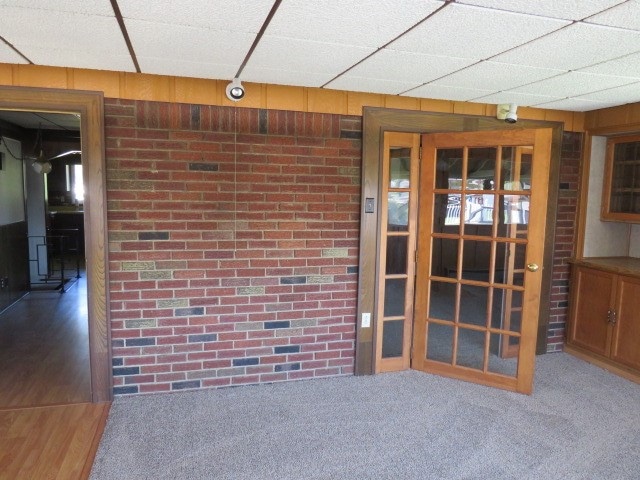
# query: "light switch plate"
{"type": "Point", "coordinates": [366, 320]}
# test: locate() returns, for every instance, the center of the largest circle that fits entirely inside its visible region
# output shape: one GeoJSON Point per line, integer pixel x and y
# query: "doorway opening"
{"type": "Point", "coordinates": [73, 233]}
{"type": "Point", "coordinates": [459, 237]}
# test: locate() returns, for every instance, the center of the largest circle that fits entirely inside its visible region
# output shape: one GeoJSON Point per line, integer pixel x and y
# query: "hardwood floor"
{"type": "Point", "coordinates": [44, 349]}
{"type": "Point", "coordinates": [48, 427]}
{"type": "Point", "coordinates": [57, 442]}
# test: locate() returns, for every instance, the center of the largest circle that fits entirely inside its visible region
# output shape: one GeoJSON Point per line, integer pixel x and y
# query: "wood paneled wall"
{"type": "Point", "coordinates": [623, 118]}
{"type": "Point", "coordinates": [135, 86]}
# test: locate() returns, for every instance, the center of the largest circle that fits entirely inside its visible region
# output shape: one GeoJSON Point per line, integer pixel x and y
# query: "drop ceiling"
{"type": "Point", "coordinates": [566, 55]}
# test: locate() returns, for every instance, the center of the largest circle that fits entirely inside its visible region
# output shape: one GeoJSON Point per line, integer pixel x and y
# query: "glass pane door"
{"type": "Point", "coordinates": [477, 290]}
{"type": "Point", "coordinates": [397, 250]}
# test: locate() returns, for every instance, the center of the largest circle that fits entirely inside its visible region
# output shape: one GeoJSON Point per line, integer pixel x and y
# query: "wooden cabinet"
{"type": "Point", "coordinates": [605, 318]}
{"type": "Point", "coordinates": [621, 189]}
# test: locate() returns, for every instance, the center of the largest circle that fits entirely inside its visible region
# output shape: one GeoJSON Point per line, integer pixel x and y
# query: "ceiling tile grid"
{"type": "Point", "coordinates": [573, 55]}
{"type": "Point", "coordinates": [67, 39]}
{"type": "Point", "coordinates": [574, 47]}
{"type": "Point", "coordinates": [568, 10]}
{"type": "Point", "coordinates": [496, 76]}
{"type": "Point", "coordinates": [574, 84]}
{"type": "Point", "coordinates": [406, 67]}
{"type": "Point", "coordinates": [223, 15]}
{"type": "Point", "coordinates": [472, 32]}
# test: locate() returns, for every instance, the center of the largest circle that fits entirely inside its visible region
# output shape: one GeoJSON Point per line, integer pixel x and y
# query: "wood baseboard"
{"type": "Point", "coordinates": [602, 362]}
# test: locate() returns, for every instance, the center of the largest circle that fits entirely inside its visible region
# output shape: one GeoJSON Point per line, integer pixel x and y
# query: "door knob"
{"type": "Point", "coordinates": [532, 267]}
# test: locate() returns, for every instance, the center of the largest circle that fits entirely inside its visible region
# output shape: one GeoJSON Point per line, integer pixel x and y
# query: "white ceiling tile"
{"type": "Point", "coordinates": [576, 46]}
{"type": "Point", "coordinates": [186, 68]}
{"type": "Point", "coordinates": [572, 84]}
{"type": "Point", "coordinates": [67, 35]}
{"type": "Point", "coordinates": [496, 76]}
{"type": "Point", "coordinates": [570, 10]}
{"type": "Point", "coordinates": [625, 15]}
{"type": "Point", "coordinates": [80, 58]}
{"type": "Point", "coordinates": [616, 96]}
{"type": "Point", "coordinates": [302, 55]}
{"type": "Point", "coordinates": [573, 105]}
{"type": "Point", "coordinates": [225, 15]}
{"type": "Point", "coordinates": [356, 22]}
{"type": "Point", "coordinates": [187, 43]}
{"type": "Point", "coordinates": [374, 85]}
{"type": "Point", "coordinates": [93, 7]}
{"type": "Point", "coordinates": [281, 76]}
{"type": "Point", "coordinates": [627, 66]}
{"type": "Point", "coordinates": [472, 32]}
{"type": "Point", "coordinates": [402, 66]}
{"type": "Point", "coordinates": [445, 92]}
{"type": "Point", "coordinates": [519, 98]}
{"type": "Point", "coordinates": [8, 55]}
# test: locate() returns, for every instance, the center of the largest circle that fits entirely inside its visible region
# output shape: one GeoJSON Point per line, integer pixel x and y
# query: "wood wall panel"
{"type": "Point", "coordinates": [107, 82]}
{"type": "Point", "coordinates": [34, 76]}
{"type": "Point", "coordinates": [280, 97]}
{"type": "Point", "coordinates": [429, 105]}
{"type": "Point", "coordinates": [403, 103]}
{"type": "Point", "coordinates": [136, 86]}
{"type": "Point", "coordinates": [327, 101]}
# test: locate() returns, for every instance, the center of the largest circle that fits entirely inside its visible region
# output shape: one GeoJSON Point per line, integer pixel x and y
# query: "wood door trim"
{"type": "Point", "coordinates": [90, 106]}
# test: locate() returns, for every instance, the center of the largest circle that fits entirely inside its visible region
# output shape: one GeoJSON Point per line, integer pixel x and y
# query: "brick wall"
{"type": "Point", "coordinates": [232, 244]}
{"type": "Point", "coordinates": [565, 237]}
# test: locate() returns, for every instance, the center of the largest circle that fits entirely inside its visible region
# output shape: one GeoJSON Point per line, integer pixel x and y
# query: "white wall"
{"type": "Point", "coordinates": [11, 183]}
{"type": "Point", "coordinates": [36, 224]}
{"type": "Point", "coordinates": [602, 239]}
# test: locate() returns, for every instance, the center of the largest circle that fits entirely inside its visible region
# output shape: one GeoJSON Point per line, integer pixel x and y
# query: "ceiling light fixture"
{"type": "Point", "coordinates": [40, 163]}
{"type": "Point", "coordinates": [507, 112]}
{"type": "Point", "coordinates": [235, 90]}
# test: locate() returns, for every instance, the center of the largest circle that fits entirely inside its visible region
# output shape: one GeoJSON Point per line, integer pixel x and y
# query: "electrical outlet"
{"type": "Point", "coordinates": [366, 320]}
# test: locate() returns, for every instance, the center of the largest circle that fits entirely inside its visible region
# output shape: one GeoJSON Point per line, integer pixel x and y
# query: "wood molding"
{"type": "Point", "coordinates": [90, 107]}
{"type": "Point", "coordinates": [162, 88]}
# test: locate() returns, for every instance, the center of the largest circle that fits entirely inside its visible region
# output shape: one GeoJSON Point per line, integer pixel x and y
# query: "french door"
{"type": "Point", "coordinates": [480, 243]}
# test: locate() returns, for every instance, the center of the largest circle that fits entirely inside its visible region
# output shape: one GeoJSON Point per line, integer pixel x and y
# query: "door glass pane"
{"type": "Point", "coordinates": [442, 300]}
{"type": "Point", "coordinates": [481, 167]}
{"type": "Point", "coordinates": [398, 211]}
{"type": "Point", "coordinates": [400, 168]}
{"type": "Point", "coordinates": [510, 270]}
{"type": "Point", "coordinates": [470, 348]}
{"type": "Point", "coordinates": [502, 364]}
{"type": "Point", "coordinates": [396, 255]}
{"type": "Point", "coordinates": [473, 304]}
{"type": "Point", "coordinates": [446, 213]}
{"type": "Point", "coordinates": [444, 257]}
{"type": "Point", "coordinates": [449, 168]}
{"type": "Point", "coordinates": [392, 332]}
{"type": "Point", "coordinates": [394, 293]}
{"type": "Point", "coordinates": [506, 312]}
{"type": "Point", "coordinates": [515, 209]}
{"type": "Point", "coordinates": [476, 260]}
{"type": "Point", "coordinates": [440, 342]}
{"type": "Point", "coordinates": [516, 168]}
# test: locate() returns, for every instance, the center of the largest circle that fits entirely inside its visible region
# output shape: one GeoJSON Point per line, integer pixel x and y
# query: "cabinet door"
{"type": "Point", "coordinates": [625, 347]}
{"type": "Point", "coordinates": [591, 300]}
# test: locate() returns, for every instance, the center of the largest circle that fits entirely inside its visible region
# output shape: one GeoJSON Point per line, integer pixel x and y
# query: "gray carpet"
{"type": "Point", "coordinates": [580, 423]}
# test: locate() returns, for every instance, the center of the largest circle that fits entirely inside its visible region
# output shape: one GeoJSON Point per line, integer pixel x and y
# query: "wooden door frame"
{"type": "Point", "coordinates": [90, 107]}
{"type": "Point", "coordinates": [378, 120]}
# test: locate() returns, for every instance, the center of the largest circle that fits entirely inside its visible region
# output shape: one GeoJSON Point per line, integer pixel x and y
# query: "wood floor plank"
{"type": "Point", "coordinates": [50, 442]}
{"type": "Point", "coordinates": [44, 349]}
